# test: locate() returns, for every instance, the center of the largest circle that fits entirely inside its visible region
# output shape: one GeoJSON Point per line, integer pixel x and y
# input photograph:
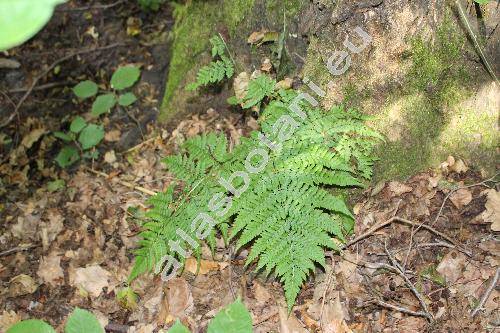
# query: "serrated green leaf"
{"type": "Point", "coordinates": [91, 136]}
{"type": "Point", "coordinates": [234, 318]}
{"type": "Point", "coordinates": [127, 99]}
{"type": "Point", "coordinates": [67, 156]}
{"type": "Point", "coordinates": [77, 124]}
{"type": "Point", "coordinates": [55, 185]}
{"type": "Point", "coordinates": [85, 89]}
{"type": "Point", "coordinates": [125, 77]}
{"type": "Point", "coordinates": [63, 136]}
{"type": "Point", "coordinates": [31, 326]}
{"type": "Point", "coordinates": [22, 19]}
{"type": "Point", "coordinates": [103, 104]}
{"type": "Point", "coordinates": [178, 328]}
{"type": "Point", "coordinates": [233, 100]}
{"type": "Point", "coordinates": [81, 321]}
{"type": "Point", "coordinates": [258, 89]}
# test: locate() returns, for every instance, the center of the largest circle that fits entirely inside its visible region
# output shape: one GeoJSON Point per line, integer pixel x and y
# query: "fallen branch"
{"type": "Point", "coordinates": [16, 249]}
{"type": "Point", "coordinates": [487, 294]}
{"type": "Point", "coordinates": [124, 183]}
{"type": "Point", "coordinates": [46, 71]}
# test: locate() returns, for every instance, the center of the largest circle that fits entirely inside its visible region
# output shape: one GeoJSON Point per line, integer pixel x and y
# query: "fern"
{"type": "Point", "coordinates": [258, 89]}
{"type": "Point", "coordinates": [218, 69]}
{"type": "Point", "coordinates": [287, 216]}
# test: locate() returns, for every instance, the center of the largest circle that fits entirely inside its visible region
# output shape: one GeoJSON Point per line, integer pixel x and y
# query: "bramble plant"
{"type": "Point", "coordinates": [221, 67]}
{"type": "Point", "coordinates": [79, 321]}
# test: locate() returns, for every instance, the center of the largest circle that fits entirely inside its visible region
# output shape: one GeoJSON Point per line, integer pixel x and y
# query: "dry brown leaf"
{"type": "Point", "coordinates": [262, 295]}
{"type": "Point", "coordinates": [91, 279]}
{"type": "Point", "coordinates": [113, 135]}
{"type": "Point", "coordinates": [7, 319]}
{"type": "Point", "coordinates": [179, 298]}
{"type": "Point", "coordinates": [289, 323]}
{"type": "Point", "coordinates": [256, 36]}
{"type": "Point", "coordinates": [241, 85]}
{"type": "Point", "coordinates": [266, 66]}
{"type": "Point", "coordinates": [206, 266]}
{"type": "Point", "coordinates": [51, 228]}
{"type": "Point", "coordinates": [32, 137]}
{"type": "Point", "coordinates": [451, 267]}
{"type": "Point", "coordinates": [492, 212]}
{"type": "Point", "coordinates": [50, 270]}
{"type": "Point", "coordinates": [461, 198]}
{"type": "Point", "coordinates": [398, 188]}
{"type": "Point", "coordinates": [332, 319]}
{"type": "Point", "coordinates": [22, 285]}
{"type": "Point", "coordinates": [110, 157]}
{"type": "Point", "coordinates": [459, 167]}
{"type": "Point", "coordinates": [286, 83]}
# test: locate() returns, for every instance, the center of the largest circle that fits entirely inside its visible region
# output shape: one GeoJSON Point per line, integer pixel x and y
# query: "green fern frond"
{"type": "Point", "coordinates": [258, 89]}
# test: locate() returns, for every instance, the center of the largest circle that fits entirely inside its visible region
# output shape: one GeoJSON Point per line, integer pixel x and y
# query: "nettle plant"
{"type": "Point", "coordinates": [79, 321]}
{"type": "Point", "coordinates": [83, 137]}
{"type": "Point", "coordinates": [283, 210]}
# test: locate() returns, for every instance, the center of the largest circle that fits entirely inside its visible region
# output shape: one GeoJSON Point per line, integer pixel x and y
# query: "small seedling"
{"type": "Point", "coordinates": [124, 77]}
{"type": "Point", "coordinates": [80, 139]}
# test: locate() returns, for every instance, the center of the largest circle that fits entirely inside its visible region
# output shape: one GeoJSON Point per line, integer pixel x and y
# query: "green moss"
{"type": "Point", "coordinates": [235, 12]}
{"type": "Point", "coordinates": [426, 120]}
{"type": "Point", "coordinates": [291, 7]}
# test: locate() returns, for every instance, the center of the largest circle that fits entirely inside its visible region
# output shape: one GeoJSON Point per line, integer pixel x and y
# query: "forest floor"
{"type": "Point", "coordinates": [425, 257]}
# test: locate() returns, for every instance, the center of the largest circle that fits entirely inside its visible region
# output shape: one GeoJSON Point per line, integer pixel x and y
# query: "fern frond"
{"type": "Point", "coordinates": [258, 89]}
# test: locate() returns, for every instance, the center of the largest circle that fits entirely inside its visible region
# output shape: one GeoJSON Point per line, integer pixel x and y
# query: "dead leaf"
{"type": "Point", "coordinates": [91, 279]}
{"type": "Point", "coordinates": [459, 167]}
{"type": "Point", "coordinates": [50, 270]}
{"type": "Point", "coordinates": [255, 37]}
{"type": "Point", "coordinates": [241, 85]}
{"type": "Point", "coordinates": [461, 198]}
{"type": "Point", "coordinates": [22, 285]}
{"type": "Point", "coordinates": [110, 157]}
{"type": "Point", "coordinates": [451, 267]}
{"type": "Point", "coordinates": [289, 323]}
{"type": "Point", "coordinates": [206, 266]}
{"type": "Point", "coordinates": [492, 212]}
{"type": "Point", "coordinates": [51, 228]}
{"type": "Point", "coordinates": [266, 66]}
{"type": "Point", "coordinates": [113, 136]}
{"type": "Point", "coordinates": [332, 320]}
{"type": "Point", "coordinates": [262, 295]}
{"type": "Point", "coordinates": [33, 137]}
{"type": "Point", "coordinates": [179, 298]}
{"type": "Point", "coordinates": [398, 188]}
{"type": "Point", "coordinates": [285, 84]}
{"type": "Point", "coordinates": [7, 319]}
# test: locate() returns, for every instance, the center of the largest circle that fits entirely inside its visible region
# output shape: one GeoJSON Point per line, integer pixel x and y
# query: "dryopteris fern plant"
{"type": "Point", "coordinates": [287, 216]}
{"type": "Point", "coordinates": [221, 66]}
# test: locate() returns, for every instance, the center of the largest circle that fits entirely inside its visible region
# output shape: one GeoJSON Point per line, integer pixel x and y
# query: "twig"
{"type": "Point", "coordinates": [124, 183]}
{"type": "Point", "coordinates": [410, 285]}
{"type": "Point", "coordinates": [478, 47]}
{"type": "Point", "coordinates": [46, 71]}
{"type": "Point", "coordinates": [328, 282]}
{"type": "Point", "coordinates": [40, 87]}
{"type": "Point", "coordinates": [487, 294]}
{"type": "Point", "coordinates": [140, 145]}
{"type": "Point", "coordinates": [405, 221]}
{"type": "Point", "coordinates": [16, 249]}
{"type": "Point", "coordinates": [401, 309]}
{"type": "Point", "coordinates": [265, 318]}
{"type": "Point", "coordinates": [112, 327]}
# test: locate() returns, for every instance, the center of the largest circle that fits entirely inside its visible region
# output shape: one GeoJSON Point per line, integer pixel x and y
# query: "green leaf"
{"type": "Point", "coordinates": [178, 328]}
{"type": "Point", "coordinates": [81, 321]}
{"type": "Point", "coordinates": [22, 19]}
{"type": "Point", "coordinates": [234, 318]}
{"type": "Point", "coordinates": [482, 2]}
{"type": "Point", "coordinates": [125, 77]}
{"type": "Point", "coordinates": [233, 100]}
{"type": "Point", "coordinates": [91, 136]}
{"type": "Point", "coordinates": [55, 185]}
{"type": "Point", "coordinates": [85, 89]}
{"type": "Point", "coordinates": [63, 136]}
{"type": "Point", "coordinates": [92, 155]}
{"type": "Point", "coordinates": [67, 156]}
{"type": "Point", "coordinates": [77, 124]}
{"type": "Point", "coordinates": [31, 326]}
{"type": "Point", "coordinates": [103, 104]}
{"type": "Point", "coordinates": [127, 99]}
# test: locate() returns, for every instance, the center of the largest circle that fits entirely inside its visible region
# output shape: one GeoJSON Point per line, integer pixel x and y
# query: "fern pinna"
{"type": "Point", "coordinates": [284, 212]}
